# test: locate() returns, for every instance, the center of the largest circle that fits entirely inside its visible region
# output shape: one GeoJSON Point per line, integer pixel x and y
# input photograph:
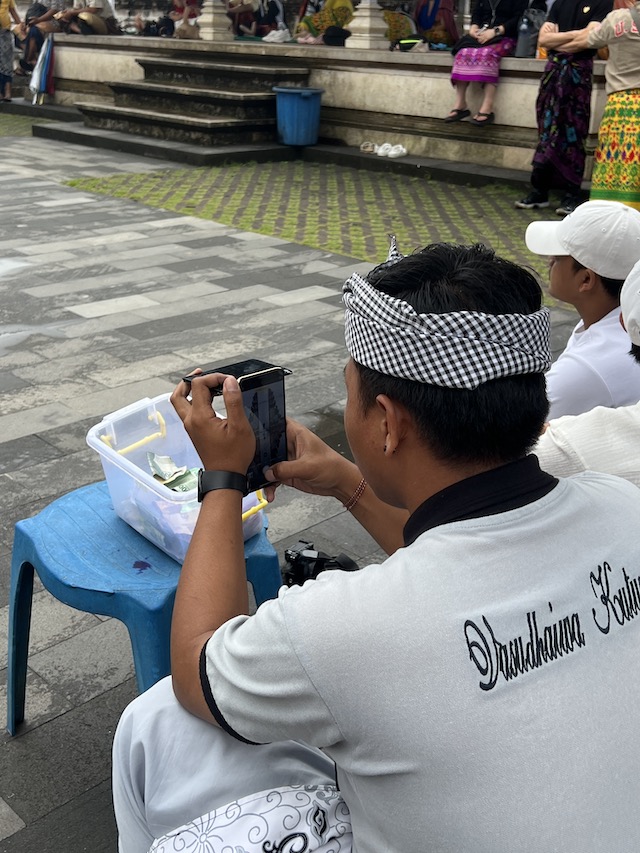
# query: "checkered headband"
{"type": "Point", "coordinates": [461, 349]}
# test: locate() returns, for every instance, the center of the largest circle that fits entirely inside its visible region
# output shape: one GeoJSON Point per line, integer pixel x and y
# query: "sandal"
{"type": "Point", "coordinates": [457, 115]}
{"type": "Point", "coordinates": [369, 148]}
{"type": "Point", "coordinates": [489, 118]}
{"type": "Point", "coordinates": [397, 151]}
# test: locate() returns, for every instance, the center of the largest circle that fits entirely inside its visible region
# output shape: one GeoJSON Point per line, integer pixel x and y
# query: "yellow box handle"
{"type": "Point", "coordinates": [162, 433]}
{"type": "Point", "coordinates": [262, 503]}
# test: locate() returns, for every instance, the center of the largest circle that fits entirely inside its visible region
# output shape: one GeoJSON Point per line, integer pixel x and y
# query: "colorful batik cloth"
{"type": "Point", "coordinates": [334, 13]}
{"type": "Point", "coordinates": [616, 167]}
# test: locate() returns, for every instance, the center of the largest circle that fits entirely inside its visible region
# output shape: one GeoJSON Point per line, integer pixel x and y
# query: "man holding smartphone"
{"type": "Point", "coordinates": [465, 690]}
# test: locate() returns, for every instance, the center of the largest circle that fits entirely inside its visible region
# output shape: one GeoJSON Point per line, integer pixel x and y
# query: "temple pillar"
{"type": "Point", "coordinates": [214, 23]}
{"type": "Point", "coordinates": [368, 27]}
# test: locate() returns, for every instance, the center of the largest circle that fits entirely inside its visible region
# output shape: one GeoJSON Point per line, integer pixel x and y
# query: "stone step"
{"type": "Point", "coordinates": [434, 128]}
{"type": "Point", "coordinates": [178, 127]}
{"type": "Point", "coordinates": [165, 149]}
{"type": "Point", "coordinates": [196, 155]}
{"type": "Point", "coordinates": [194, 100]}
{"type": "Point", "coordinates": [237, 76]}
{"type": "Point", "coordinates": [23, 105]}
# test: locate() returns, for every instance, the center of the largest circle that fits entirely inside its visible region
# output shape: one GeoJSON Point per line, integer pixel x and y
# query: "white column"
{"type": "Point", "coordinates": [466, 14]}
{"type": "Point", "coordinates": [213, 22]}
{"type": "Point", "coordinates": [368, 27]}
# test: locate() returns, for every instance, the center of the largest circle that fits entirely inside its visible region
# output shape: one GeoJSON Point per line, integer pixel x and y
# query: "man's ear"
{"type": "Point", "coordinates": [588, 280]}
{"type": "Point", "coordinates": [395, 422]}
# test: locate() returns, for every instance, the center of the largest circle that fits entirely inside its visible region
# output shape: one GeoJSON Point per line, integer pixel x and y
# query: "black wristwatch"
{"type": "Point", "coordinates": [208, 481]}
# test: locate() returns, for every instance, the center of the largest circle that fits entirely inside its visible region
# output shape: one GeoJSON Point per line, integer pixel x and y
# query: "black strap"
{"type": "Point", "coordinates": [208, 481]}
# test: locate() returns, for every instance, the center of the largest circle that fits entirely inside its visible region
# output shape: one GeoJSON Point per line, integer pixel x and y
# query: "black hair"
{"type": "Point", "coordinates": [500, 420]}
{"type": "Point", "coordinates": [635, 352]}
{"type": "Point", "coordinates": [613, 286]}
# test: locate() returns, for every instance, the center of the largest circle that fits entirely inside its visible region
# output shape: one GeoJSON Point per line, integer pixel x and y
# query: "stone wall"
{"type": "Point", "coordinates": [368, 94]}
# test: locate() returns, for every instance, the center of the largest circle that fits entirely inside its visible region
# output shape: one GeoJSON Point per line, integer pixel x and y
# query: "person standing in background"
{"type": "Point", "coordinates": [563, 107]}
{"type": "Point", "coordinates": [616, 168]}
{"type": "Point", "coordinates": [7, 12]}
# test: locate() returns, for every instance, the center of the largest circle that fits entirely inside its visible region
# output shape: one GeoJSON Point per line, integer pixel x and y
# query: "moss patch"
{"type": "Point", "coordinates": [338, 209]}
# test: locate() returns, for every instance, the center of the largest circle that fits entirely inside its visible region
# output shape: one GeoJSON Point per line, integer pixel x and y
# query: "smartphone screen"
{"type": "Point", "coordinates": [263, 400]}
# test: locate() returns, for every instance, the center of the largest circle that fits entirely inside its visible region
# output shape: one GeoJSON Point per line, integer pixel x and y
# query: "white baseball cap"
{"type": "Point", "coordinates": [630, 304]}
{"type": "Point", "coordinates": [603, 236]}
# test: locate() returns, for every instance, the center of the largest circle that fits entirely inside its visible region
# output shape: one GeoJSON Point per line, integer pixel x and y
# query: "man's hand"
{"type": "Point", "coordinates": [312, 466]}
{"type": "Point", "coordinates": [548, 27]}
{"type": "Point", "coordinates": [223, 444]}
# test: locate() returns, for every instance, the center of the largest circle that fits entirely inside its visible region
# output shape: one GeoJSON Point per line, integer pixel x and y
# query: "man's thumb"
{"type": "Point", "coordinates": [232, 397]}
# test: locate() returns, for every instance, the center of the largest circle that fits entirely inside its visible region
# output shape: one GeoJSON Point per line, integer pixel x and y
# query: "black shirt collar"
{"type": "Point", "coordinates": [499, 490]}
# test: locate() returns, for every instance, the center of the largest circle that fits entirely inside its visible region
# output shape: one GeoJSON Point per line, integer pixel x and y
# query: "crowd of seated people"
{"type": "Point", "coordinates": [257, 18]}
{"type": "Point", "coordinates": [180, 21]}
{"type": "Point", "coordinates": [57, 16]}
{"type": "Point", "coordinates": [316, 18]}
{"type": "Point", "coordinates": [432, 22]}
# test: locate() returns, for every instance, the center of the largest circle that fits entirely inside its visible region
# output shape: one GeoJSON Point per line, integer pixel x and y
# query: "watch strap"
{"type": "Point", "coordinates": [209, 481]}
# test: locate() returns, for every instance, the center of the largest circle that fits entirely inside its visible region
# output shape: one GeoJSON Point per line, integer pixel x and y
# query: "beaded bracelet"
{"type": "Point", "coordinates": [355, 497]}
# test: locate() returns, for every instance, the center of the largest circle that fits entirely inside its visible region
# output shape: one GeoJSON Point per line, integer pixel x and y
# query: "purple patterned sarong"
{"type": "Point", "coordinates": [481, 64]}
{"type": "Point", "coordinates": [563, 110]}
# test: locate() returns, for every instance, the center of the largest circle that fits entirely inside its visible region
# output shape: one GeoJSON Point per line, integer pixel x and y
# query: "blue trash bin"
{"type": "Point", "coordinates": [298, 113]}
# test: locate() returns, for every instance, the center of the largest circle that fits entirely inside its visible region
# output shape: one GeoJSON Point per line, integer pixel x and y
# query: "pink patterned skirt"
{"type": "Point", "coordinates": [481, 64]}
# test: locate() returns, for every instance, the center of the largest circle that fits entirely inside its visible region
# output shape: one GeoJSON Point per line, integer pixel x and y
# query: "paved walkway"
{"type": "Point", "coordinates": [104, 301]}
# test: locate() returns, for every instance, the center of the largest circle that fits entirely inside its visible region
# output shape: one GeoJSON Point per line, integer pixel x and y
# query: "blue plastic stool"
{"type": "Point", "coordinates": [89, 558]}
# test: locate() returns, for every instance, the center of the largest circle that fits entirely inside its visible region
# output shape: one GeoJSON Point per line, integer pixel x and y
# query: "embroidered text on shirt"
{"type": "Point", "coordinates": [521, 654]}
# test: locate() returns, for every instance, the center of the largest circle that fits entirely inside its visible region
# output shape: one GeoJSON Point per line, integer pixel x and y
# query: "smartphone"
{"type": "Point", "coordinates": [264, 405]}
{"type": "Point", "coordinates": [237, 369]}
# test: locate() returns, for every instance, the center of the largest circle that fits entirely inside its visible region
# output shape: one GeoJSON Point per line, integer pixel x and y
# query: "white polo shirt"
{"type": "Point", "coordinates": [595, 369]}
{"type": "Point", "coordinates": [476, 691]}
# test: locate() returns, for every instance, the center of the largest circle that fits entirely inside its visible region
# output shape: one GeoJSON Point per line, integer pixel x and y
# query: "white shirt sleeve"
{"type": "Point", "coordinates": [260, 689]}
{"type": "Point", "coordinates": [603, 440]}
{"type": "Point", "coordinates": [603, 34]}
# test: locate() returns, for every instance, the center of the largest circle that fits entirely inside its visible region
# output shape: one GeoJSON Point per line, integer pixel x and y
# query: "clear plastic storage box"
{"type": "Point", "coordinates": [163, 516]}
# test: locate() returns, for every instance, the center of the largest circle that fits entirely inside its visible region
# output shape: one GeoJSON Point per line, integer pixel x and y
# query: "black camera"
{"type": "Point", "coordinates": [305, 563]}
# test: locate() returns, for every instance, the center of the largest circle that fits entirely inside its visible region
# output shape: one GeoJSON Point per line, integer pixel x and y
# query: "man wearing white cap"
{"type": "Point", "coordinates": [591, 253]}
{"type": "Point", "coordinates": [602, 439]}
{"type": "Point", "coordinates": [476, 690]}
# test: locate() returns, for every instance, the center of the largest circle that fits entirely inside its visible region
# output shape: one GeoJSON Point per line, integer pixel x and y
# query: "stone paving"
{"type": "Point", "coordinates": [104, 301]}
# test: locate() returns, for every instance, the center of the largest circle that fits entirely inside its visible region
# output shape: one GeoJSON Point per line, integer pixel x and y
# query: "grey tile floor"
{"type": "Point", "coordinates": [104, 302]}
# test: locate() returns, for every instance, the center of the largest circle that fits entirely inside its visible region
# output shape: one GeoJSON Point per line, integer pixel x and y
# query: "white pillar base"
{"type": "Point", "coordinates": [213, 22]}
{"type": "Point", "coordinates": [368, 27]}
